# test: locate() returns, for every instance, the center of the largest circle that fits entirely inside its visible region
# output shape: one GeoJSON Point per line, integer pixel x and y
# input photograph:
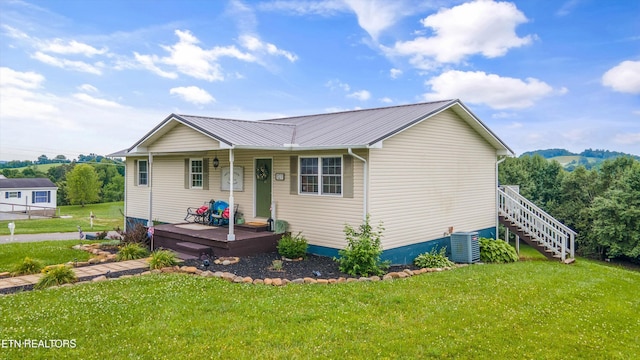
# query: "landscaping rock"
{"type": "Point", "coordinates": [258, 282]}
{"type": "Point", "coordinates": [247, 280]}
{"type": "Point", "coordinates": [362, 278]}
{"type": "Point", "coordinates": [323, 281]}
{"type": "Point", "coordinates": [309, 280]}
{"type": "Point", "coordinates": [408, 272]}
{"type": "Point", "coordinates": [351, 280]}
{"type": "Point", "coordinates": [402, 275]}
{"type": "Point", "coordinates": [226, 262]}
{"type": "Point", "coordinates": [238, 279]}
{"type": "Point", "coordinates": [218, 274]}
{"type": "Point", "coordinates": [125, 276]}
{"type": "Point", "coordinates": [99, 278]}
{"type": "Point", "coordinates": [228, 276]}
{"type": "Point", "coordinates": [277, 282]}
{"type": "Point", "coordinates": [93, 261]}
{"type": "Point", "coordinates": [189, 269]}
{"type": "Point", "coordinates": [375, 278]}
{"type": "Point", "coordinates": [268, 281]}
{"type": "Point", "coordinates": [333, 281]}
{"type": "Point", "coordinates": [206, 274]}
{"type": "Point", "coordinates": [387, 277]}
{"type": "Point", "coordinates": [297, 281]}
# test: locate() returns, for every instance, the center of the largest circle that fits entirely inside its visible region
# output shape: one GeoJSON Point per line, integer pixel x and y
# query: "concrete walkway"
{"type": "Point", "coordinates": [81, 272]}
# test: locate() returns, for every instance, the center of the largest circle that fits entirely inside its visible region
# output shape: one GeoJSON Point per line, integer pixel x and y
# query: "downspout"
{"type": "Point", "coordinates": [498, 199]}
{"type": "Point", "coordinates": [124, 226]}
{"type": "Point", "coordinates": [364, 185]}
{"type": "Point", "coordinates": [150, 182]}
{"type": "Point", "coordinates": [231, 236]}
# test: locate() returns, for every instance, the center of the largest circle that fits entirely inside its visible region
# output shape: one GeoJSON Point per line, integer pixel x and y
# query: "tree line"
{"type": "Point", "coordinates": [91, 179]}
{"type": "Point", "coordinates": [602, 205]}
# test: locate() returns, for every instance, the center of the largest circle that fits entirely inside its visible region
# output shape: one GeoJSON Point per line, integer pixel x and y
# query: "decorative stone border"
{"type": "Point", "coordinates": [233, 278]}
{"type": "Point", "coordinates": [95, 249]}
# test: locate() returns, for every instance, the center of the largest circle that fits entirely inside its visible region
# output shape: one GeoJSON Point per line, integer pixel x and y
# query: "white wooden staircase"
{"type": "Point", "coordinates": [534, 225]}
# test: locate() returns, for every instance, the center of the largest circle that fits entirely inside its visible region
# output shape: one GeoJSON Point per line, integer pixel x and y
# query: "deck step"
{"type": "Point", "coordinates": [184, 256]}
{"type": "Point", "coordinates": [193, 246]}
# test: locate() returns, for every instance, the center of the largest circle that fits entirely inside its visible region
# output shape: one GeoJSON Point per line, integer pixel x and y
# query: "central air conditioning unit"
{"type": "Point", "coordinates": [465, 247]}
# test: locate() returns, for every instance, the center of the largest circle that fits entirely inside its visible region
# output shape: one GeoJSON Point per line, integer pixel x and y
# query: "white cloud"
{"type": "Point", "coordinates": [25, 80]}
{"type": "Point", "coordinates": [335, 84]}
{"type": "Point", "coordinates": [96, 101]}
{"type": "Point", "coordinates": [489, 89]}
{"type": "Point", "coordinates": [148, 62]}
{"type": "Point", "coordinates": [18, 91]}
{"type": "Point", "coordinates": [88, 88]}
{"type": "Point", "coordinates": [478, 27]}
{"type": "Point", "coordinates": [567, 7]}
{"type": "Point", "coordinates": [189, 58]}
{"type": "Point", "coordinates": [627, 139]}
{"type": "Point", "coordinates": [374, 16]}
{"type": "Point", "coordinates": [75, 65]}
{"type": "Point", "coordinates": [297, 7]}
{"type": "Point", "coordinates": [253, 43]}
{"type": "Point", "coordinates": [386, 100]}
{"type": "Point", "coordinates": [362, 95]}
{"type": "Point", "coordinates": [74, 47]}
{"type": "Point", "coordinates": [193, 94]}
{"type": "Point", "coordinates": [515, 125]}
{"type": "Point", "coordinates": [395, 73]}
{"type": "Point", "coordinates": [624, 77]}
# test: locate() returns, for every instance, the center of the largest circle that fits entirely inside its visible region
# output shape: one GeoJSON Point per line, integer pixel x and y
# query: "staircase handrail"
{"type": "Point", "coordinates": [547, 221]}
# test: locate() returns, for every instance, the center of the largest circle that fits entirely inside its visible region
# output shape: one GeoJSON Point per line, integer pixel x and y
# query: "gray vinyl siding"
{"type": "Point", "coordinates": [136, 197]}
{"type": "Point", "coordinates": [437, 174]}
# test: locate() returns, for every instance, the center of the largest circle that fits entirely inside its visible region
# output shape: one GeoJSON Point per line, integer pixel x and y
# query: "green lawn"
{"type": "Point", "coordinates": [529, 309]}
{"type": "Point", "coordinates": [107, 217]}
{"type": "Point", "coordinates": [49, 252]}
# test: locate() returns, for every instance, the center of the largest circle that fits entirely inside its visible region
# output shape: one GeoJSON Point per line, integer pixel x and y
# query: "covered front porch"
{"type": "Point", "coordinates": [192, 240]}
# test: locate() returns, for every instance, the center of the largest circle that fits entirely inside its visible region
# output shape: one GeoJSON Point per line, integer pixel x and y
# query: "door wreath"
{"type": "Point", "coordinates": [262, 172]}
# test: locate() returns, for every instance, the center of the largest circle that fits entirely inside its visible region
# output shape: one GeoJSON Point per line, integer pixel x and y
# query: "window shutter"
{"type": "Point", "coordinates": [347, 177]}
{"type": "Point", "coordinates": [19, 194]}
{"type": "Point", "coordinates": [187, 164]}
{"type": "Point", "coordinates": [135, 173]}
{"type": "Point", "coordinates": [48, 196]}
{"type": "Point", "coordinates": [33, 197]}
{"type": "Point", "coordinates": [293, 175]}
{"type": "Point", "coordinates": [205, 174]}
{"type": "Point", "coordinates": [6, 195]}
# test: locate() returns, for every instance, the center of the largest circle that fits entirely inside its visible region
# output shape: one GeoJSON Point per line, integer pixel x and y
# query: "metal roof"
{"type": "Point", "coordinates": [26, 183]}
{"type": "Point", "coordinates": [356, 128]}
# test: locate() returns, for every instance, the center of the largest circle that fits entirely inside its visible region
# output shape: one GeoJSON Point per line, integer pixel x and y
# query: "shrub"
{"type": "Point", "coordinates": [162, 258]}
{"type": "Point", "coordinates": [27, 266]}
{"type": "Point", "coordinates": [433, 259]}
{"type": "Point", "coordinates": [132, 251]}
{"type": "Point", "coordinates": [496, 251]}
{"type": "Point", "coordinates": [137, 235]}
{"type": "Point", "coordinates": [56, 275]}
{"type": "Point", "coordinates": [363, 251]}
{"type": "Point", "coordinates": [101, 235]}
{"type": "Point", "coordinates": [293, 247]}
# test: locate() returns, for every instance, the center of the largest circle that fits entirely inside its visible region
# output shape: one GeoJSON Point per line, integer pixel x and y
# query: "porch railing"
{"type": "Point", "coordinates": [535, 222]}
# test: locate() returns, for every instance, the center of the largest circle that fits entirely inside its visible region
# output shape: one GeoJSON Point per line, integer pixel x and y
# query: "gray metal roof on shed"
{"type": "Point", "coordinates": [356, 128]}
{"type": "Point", "coordinates": [26, 183]}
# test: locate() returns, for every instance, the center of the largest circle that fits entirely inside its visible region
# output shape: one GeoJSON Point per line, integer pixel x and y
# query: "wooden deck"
{"type": "Point", "coordinates": [196, 239]}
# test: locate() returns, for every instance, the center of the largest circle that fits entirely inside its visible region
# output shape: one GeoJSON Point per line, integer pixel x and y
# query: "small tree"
{"type": "Point", "coordinates": [363, 251]}
{"type": "Point", "coordinates": [83, 186]}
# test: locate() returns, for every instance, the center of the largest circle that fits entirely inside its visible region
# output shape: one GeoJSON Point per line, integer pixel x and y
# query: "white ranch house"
{"type": "Point", "coordinates": [422, 169]}
{"type": "Point", "coordinates": [28, 194]}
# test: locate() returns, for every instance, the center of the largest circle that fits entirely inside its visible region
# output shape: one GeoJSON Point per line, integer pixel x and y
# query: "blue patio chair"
{"type": "Point", "coordinates": [217, 211]}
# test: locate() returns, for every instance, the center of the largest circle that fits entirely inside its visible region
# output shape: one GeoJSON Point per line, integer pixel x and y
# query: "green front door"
{"type": "Point", "coordinates": [263, 175]}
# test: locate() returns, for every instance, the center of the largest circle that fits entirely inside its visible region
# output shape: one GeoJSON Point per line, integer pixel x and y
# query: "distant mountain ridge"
{"type": "Point", "coordinates": [588, 158]}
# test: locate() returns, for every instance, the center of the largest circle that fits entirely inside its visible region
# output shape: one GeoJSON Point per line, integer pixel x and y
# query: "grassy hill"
{"type": "Point", "coordinates": [588, 158]}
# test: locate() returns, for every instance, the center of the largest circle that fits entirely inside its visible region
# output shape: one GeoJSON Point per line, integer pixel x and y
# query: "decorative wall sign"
{"type": "Point", "coordinates": [279, 176]}
{"type": "Point", "coordinates": [238, 179]}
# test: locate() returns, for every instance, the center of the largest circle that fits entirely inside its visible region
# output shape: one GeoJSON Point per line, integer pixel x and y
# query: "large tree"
{"type": "Point", "coordinates": [83, 185]}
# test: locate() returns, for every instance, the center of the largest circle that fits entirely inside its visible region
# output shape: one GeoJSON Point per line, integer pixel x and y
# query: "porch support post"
{"type": "Point", "coordinates": [149, 183]}
{"type": "Point", "coordinates": [231, 236]}
{"type": "Point", "coordinates": [498, 198]}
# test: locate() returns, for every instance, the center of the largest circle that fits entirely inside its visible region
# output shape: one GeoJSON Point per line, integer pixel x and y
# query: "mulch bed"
{"type": "Point", "coordinates": [259, 267]}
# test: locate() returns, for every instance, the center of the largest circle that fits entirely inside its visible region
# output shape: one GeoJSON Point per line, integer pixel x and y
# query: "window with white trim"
{"type": "Point", "coordinates": [321, 175]}
{"type": "Point", "coordinates": [41, 196]}
{"type": "Point", "coordinates": [13, 195]}
{"type": "Point", "coordinates": [196, 173]}
{"type": "Point", "coordinates": [143, 172]}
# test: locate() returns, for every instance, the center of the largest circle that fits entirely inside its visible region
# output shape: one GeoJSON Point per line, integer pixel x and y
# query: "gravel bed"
{"type": "Point", "coordinates": [259, 267]}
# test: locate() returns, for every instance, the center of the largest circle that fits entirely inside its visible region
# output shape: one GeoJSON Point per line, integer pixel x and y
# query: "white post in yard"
{"type": "Point", "coordinates": [231, 236]}
{"type": "Point", "coordinates": [12, 228]}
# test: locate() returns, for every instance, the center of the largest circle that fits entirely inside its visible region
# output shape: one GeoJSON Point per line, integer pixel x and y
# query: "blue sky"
{"type": "Point", "coordinates": [95, 76]}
